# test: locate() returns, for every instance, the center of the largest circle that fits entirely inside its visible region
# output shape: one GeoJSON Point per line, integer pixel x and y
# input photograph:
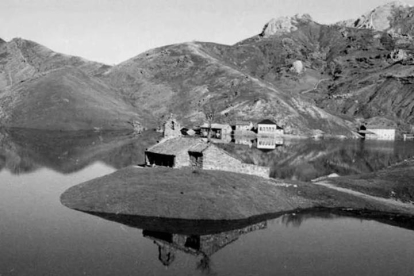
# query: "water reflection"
{"type": "Point", "coordinates": [269, 142]}
{"type": "Point", "coordinates": [203, 246]}
{"type": "Point", "coordinates": [198, 238]}
{"type": "Point", "coordinates": [25, 151]}
{"type": "Point", "coordinates": [203, 239]}
{"type": "Point", "coordinates": [309, 159]}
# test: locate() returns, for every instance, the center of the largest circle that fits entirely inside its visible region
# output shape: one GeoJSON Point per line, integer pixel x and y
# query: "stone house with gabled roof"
{"type": "Point", "coordinates": [196, 153]}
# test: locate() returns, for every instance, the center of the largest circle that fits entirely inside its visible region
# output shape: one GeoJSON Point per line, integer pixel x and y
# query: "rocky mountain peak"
{"type": "Point", "coordinates": [284, 24]}
{"type": "Point", "coordinates": [391, 17]}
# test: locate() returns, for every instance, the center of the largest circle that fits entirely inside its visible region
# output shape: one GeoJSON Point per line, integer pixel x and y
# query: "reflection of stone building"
{"type": "Point", "coordinates": [204, 245]}
{"type": "Point", "coordinates": [244, 140]}
{"type": "Point", "coordinates": [225, 139]}
{"type": "Point", "coordinates": [189, 152]}
{"type": "Point", "coordinates": [269, 142]}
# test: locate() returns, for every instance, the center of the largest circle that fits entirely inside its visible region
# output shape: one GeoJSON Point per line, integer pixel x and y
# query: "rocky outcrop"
{"type": "Point", "coordinates": [391, 17]}
{"type": "Point", "coordinates": [398, 55]}
{"type": "Point", "coordinates": [298, 67]}
{"type": "Point", "coordinates": [284, 24]}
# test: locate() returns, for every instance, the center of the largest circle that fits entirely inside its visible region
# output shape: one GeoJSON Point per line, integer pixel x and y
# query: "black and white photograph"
{"type": "Point", "coordinates": [216, 137]}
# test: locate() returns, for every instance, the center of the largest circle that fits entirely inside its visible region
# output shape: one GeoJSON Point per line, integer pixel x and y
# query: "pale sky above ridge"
{"type": "Point", "coordinates": [112, 31]}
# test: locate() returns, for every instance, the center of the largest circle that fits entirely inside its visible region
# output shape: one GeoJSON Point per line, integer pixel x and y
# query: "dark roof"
{"type": "Point", "coordinates": [267, 122]}
{"type": "Point", "coordinates": [175, 146]}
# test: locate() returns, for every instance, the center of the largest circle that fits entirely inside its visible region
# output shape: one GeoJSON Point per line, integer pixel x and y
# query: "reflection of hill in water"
{"type": "Point", "coordinates": [309, 159]}
{"type": "Point", "coordinates": [24, 151]}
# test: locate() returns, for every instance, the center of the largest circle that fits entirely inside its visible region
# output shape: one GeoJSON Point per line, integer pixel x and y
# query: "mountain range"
{"type": "Point", "coordinates": [307, 77]}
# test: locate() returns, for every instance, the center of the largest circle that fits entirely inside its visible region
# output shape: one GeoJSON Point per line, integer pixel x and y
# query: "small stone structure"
{"type": "Point", "coordinates": [196, 153]}
{"type": "Point", "coordinates": [269, 127]}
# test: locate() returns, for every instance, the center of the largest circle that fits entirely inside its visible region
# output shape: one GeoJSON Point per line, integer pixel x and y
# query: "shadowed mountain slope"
{"type": "Point", "coordinates": [65, 99]}
{"type": "Point", "coordinates": [22, 59]}
{"type": "Point", "coordinates": [42, 89]}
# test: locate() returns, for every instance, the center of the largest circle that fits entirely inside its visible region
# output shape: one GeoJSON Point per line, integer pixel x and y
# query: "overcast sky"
{"type": "Point", "coordinates": [112, 31]}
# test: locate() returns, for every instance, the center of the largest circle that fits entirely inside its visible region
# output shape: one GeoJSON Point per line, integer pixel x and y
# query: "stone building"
{"type": "Point", "coordinates": [171, 152]}
{"type": "Point", "coordinates": [269, 127]}
{"type": "Point", "coordinates": [373, 132]}
{"type": "Point", "coordinates": [196, 153]}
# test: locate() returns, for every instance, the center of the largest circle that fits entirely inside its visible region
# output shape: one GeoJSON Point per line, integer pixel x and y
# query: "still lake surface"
{"type": "Point", "coordinates": [39, 236]}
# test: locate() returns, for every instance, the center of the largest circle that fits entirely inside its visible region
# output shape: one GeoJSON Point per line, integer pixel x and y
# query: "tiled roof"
{"type": "Point", "coordinates": [175, 146]}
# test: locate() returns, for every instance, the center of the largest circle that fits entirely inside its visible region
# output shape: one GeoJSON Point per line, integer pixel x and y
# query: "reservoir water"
{"type": "Point", "coordinates": [39, 236]}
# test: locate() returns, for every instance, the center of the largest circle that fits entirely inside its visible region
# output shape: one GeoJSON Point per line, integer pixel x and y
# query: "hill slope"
{"type": "Point", "coordinates": [189, 78]}
{"type": "Point", "coordinates": [46, 90]}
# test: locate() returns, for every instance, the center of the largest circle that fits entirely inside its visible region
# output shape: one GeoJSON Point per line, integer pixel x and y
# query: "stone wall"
{"type": "Point", "coordinates": [217, 159]}
{"type": "Point", "coordinates": [182, 159]}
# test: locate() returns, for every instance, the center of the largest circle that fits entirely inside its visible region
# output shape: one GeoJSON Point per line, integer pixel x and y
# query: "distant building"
{"type": "Point", "coordinates": [373, 132]}
{"type": "Point", "coordinates": [217, 130]}
{"type": "Point", "coordinates": [191, 152]}
{"type": "Point", "coordinates": [269, 127]}
{"type": "Point", "coordinates": [243, 126]}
